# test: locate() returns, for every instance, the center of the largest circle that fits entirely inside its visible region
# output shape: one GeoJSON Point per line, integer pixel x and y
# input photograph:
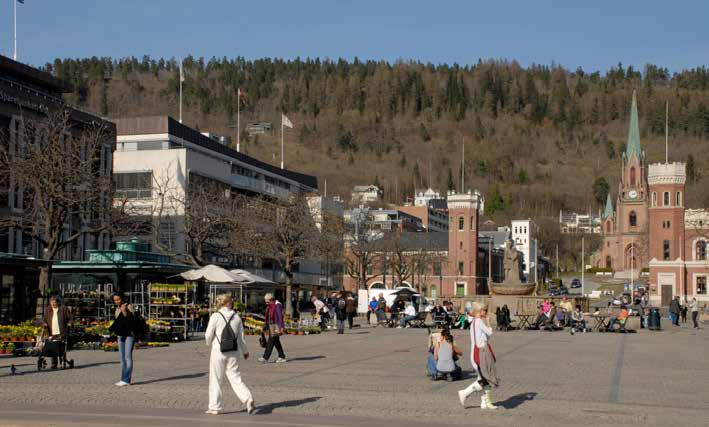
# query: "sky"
{"type": "Point", "coordinates": [594, 35]}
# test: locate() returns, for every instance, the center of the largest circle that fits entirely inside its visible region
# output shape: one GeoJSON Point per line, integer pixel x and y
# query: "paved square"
{"type": "Point", "coordinates": [376, 377]}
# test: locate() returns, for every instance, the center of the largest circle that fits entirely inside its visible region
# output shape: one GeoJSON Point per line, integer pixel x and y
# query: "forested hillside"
{"type": "Point", "coordinates": [535, 138]}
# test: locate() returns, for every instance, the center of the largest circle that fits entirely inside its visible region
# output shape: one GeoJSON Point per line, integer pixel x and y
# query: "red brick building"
{"type": "Point", "coordinates": [624, 229]}
{"type": "Point", "coordinates": [461, 266]}
{"type": "Point", "coordinates": [651, 227]}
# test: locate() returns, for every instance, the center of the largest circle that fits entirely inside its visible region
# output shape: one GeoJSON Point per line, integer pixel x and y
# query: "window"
{"type": "Point", "coordinates": [461, 223]}
{"type": "Point", "coordinates": [461, 267]}
{"type": "Point", "coordinates": [654, 198]}
{"type": "Point", "coordinates": [133, 185]}
{"type": "Point", "coordinates": [437, 268]}
{"type": "Point", "coordinates": [460, 289]}
{"type": "Point", "coordinates": [461, 245]}
{"type": "Point", "coordinates": [701, 251]}
{"type": "Point", "coordinates": [434, 291]}
{"type": "Point", "coordinates": [472, 223]}
{"type": "Point", "coordinates": [666, 250]}
{"type": "Point", "coordinates": [370, 270]}
{"type": "Point", "coordinates": [633, 219]}
{"type": "Point", "coordinates": [666, 198]}
{"type": "Point", "coordinates": [632, 176]}
{"type": "Point", "coordinates": [678, 199]}
{"type": "Point", "coordinates": [701, 285]}
{"type": "Point", "coordinates": [608, 227]}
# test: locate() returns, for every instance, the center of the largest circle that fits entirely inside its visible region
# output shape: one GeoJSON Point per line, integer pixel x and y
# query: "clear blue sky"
{"type": "Point", "coordinates": [591, 34]}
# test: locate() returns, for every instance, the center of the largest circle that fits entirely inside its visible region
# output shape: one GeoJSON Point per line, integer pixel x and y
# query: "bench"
{"type": "Point", "coordinates": [419, 321]}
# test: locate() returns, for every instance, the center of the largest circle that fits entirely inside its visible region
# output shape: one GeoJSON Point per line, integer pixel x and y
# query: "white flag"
{"type": "Point", "coordinates": [182, 73]}
{"type": "Point", "coordinates": [287, 123]}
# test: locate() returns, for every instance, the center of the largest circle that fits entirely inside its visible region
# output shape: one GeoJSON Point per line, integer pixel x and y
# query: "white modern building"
{"type": "Point", "coordinates": [366, 194]}
{"type": "Point", "coordinates": [524, 235]}
{"type": "Point", "coordinates": [157, 158]}
{"type": "Point", "coordinates": [572, 222]}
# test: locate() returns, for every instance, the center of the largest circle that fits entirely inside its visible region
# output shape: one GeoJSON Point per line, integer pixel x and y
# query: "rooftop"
{"type": "Point", "coordinates": [148, 125]}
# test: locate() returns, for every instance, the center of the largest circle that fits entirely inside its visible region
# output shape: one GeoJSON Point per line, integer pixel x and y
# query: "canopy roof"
{"type": "Point", "coordinates": [213, 273]}
{"type": "Point", "coordinates": [251, 277]}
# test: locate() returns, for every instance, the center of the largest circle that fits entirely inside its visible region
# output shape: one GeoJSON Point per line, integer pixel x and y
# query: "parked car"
{"type": "Point", "coordinates": [575, 283]}
{"type": "Point", "coordinates": [558, 291]}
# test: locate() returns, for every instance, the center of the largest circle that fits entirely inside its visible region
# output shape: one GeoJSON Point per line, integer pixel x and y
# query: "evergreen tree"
{"type": "Point", "coordinates": [692, 173]}
{"type": "Point", "coordinates": [450, 184]}
{"type": "Point", "coordinates": [610, 149]}
{"type": "Point", "coordinates": [600, 190]}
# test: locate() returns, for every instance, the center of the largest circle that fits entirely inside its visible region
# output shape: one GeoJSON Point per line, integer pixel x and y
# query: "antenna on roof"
{"type": "Point", "coordinates": [462, 170]}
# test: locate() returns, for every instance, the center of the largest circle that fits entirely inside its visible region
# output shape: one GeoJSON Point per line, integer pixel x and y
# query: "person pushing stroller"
{"type": "Point", "coordinates": [56, 327]}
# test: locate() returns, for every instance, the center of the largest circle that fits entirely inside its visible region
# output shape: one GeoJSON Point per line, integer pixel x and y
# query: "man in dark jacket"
{"type": "Point", "coordinates": [56, 322]}
{"type": "Point", "coordinates": [340, 312]}
{"type": "Point", "coordinates": [351, 309]}
{"type": "Point", "coordinates": [674, 311]}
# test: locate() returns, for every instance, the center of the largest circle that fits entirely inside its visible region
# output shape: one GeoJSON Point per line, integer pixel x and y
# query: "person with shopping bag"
{"type": "Point", "coordinates": [225, 335]}
{"type": "Point", "coordinates": [482, 358]}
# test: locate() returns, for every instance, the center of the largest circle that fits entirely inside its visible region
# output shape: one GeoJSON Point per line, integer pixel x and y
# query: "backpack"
{"type": "Point", "coordinates": [341, 304]}
{"type": "Point", "coordinates": [228, 342]}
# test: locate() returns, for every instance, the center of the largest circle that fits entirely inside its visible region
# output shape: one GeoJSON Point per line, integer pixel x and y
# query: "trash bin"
{"type": "Point", "coordinates": [653, 320]}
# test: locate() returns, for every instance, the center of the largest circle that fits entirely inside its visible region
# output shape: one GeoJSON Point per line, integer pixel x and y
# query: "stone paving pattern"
{"type": "Point", "coordinates": [548, 379]}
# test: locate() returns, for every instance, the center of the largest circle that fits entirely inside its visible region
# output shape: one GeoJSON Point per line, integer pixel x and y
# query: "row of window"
{"type": "Point", "coordinates": [461, 223]}
{"type": "Point", "coordinates": [666, 199]}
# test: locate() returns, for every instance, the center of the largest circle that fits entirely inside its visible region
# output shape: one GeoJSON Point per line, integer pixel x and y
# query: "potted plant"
{"type": "Point", "coordinates": [2, 348]}
{"type": "Point", "coordinates": [10, 348]}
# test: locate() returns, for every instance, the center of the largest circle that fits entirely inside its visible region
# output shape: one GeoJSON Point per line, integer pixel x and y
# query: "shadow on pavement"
{"type": "Point", "coordinates": [267, 409]}
{"type": "Point", "coordinates": [516, 400]}
{"type": "Point", "coordinates": [92, 365]}
{"type": "Point", "coordinates": [305, 358]}
{"type": "Point", "coordinates": [177, 377]}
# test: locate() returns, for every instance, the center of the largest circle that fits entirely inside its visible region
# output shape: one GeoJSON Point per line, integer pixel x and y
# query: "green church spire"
{"type": "Point", "coordinates": [633, 145]}
{"type": "Point", "coordinates": [608, 212]}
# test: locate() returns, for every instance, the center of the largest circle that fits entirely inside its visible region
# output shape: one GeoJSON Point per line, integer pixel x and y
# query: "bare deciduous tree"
{"type": "Point", "coordinates": [58, 180]}
{"type": "Point", "coordinates": [362, 241]}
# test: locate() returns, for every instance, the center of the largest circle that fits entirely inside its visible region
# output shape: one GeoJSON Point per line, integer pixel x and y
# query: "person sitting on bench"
{"type": "Point", "coordinates": [578, 323]}
{"type": "Point", "coordinates": [551, 322]}
{"type": "Point", "coordinates": [409, 315]}
{"type": "Point", "coordinates": [620, 319]}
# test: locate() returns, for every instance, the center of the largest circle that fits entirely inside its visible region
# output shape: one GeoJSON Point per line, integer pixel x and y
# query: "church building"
{"type": "Point", "coordinates": [652, 228]}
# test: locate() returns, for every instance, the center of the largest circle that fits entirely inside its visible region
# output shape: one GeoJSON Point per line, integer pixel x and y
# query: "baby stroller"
{"type": "Point", "coordinates": [53, 348]}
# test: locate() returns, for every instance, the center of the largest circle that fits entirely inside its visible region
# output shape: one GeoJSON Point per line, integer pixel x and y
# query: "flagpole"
{"type": "Point", "coordinates": [238, 126]}
{"type": "Point", "coordinates": [181, 78]}
{"type": "Point", "coordinates": [14, 54]}
{"type": "Point", "coordinates": [281, 140]}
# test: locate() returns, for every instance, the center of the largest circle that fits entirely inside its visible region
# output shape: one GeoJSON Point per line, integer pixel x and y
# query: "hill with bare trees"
{"type": "Point", "coordinates": [537, 139]}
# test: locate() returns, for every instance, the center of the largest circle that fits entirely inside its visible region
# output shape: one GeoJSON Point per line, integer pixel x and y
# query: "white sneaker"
{"type": "Point", "coordinates": [211, 412]}
{"type": "Point", "coordinates": [399, 327]}
{"type": "Point", "coordinates": [250, 406]}
{"type": "Point", "coordinates": [488, 400]}
{"type": "Point", "coordinates": [122, 383]}
{"type": "Point", "coordinates": [281, 360]}
{"type": "Point", "coordinates": [262, 360]}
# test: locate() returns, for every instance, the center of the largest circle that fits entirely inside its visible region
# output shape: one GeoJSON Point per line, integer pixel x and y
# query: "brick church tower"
{"type": "Point", "coordinates": [462, 244]}
{"type": "Point", "coordinates": [667, 230]}
{"type": "Point", "coordinates": [625, 227]}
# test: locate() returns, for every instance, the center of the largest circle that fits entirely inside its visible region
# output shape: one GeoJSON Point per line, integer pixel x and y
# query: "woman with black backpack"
{"type": "Point", "coordinates": [225, 334]}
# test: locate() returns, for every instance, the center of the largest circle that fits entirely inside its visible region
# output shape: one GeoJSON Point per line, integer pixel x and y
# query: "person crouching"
{"type": "Point", "coordinates": [226, 363]}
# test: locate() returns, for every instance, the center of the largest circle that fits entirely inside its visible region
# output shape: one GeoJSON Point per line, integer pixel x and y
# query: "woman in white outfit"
{"type": "Point", "coordinates": [484, 363]}
{"type": "Point", "coordinates": [226, 364]}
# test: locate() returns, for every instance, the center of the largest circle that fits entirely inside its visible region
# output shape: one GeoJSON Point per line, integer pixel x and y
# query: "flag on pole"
{"type": "Point", "coordinates": [182, 73]}
{"type": "Point", "coordinates": [287, 123]}
{"type": "Point", "coordinates": [21, 1]}
{"type": "Point", "coordinates": [241, 93]}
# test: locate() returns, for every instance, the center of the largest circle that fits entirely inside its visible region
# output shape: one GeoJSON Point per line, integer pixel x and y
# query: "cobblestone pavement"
{"type": "Point", "coordinates": [376, 377]}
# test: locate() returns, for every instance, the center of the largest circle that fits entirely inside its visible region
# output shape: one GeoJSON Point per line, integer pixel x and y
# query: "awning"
{"type": "Point", "coordinates": [249, 277]}
{"type": "Point", "coordinates": [215, 274]}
